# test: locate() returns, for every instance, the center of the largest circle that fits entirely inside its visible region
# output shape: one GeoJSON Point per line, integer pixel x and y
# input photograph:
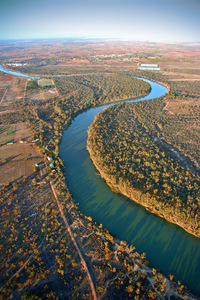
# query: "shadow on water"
{"type": "Point", "coordinates": [167, 246]}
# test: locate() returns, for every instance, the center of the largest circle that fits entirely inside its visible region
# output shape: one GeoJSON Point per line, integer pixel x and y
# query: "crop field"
{"type": "Point", "coordinates": [42, 89]}
{"type": "Point", "coordinates": [45, 83]}
{"type": "Point", "coordinates": [17, 159]}
{"type": "Point", "coordinates": [32, 84]}
{"type": "Point", "coordinates": [11, 89]}
{"type": "Point", "coordinates": [7, 133]}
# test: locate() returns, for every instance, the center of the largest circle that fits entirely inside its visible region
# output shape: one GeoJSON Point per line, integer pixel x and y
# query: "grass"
{"type": "Point", "coordinates": [7, 133]}
{"type": "Point", "coordinates": [32, 84]}
{"type": "Point", "coordinates": [45, 83]}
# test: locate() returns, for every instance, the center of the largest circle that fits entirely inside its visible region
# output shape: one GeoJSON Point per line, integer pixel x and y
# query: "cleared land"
{"type": "Point", "coordinates": [42, 89]}
{"type": "Point", "coordinates": [176, 61]}
{"type": "Point", "coordinates": [17, 159]}
{"type": "Point", "coordinates": [45, 83]}
{"type": "Point", "coordinates": [13, 87]}
{"type": "Point", "coordinates": [7, 134]}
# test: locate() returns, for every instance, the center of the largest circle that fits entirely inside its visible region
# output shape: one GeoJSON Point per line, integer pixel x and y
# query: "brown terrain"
{"type": "Point", "coordinates": [179, 62]}
{"type": "Point", "coordinates": [36, 201]}
{"type": "Point", "coordinates": [18, 157]}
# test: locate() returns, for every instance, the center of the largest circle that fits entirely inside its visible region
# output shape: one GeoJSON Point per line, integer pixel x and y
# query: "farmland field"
{"type": "Point", "coordinates": [17, 160]}
{"type": "Point", "coordinates": [7, 133]}
{"type": "Point", "coordinates": [45, 83]}
{"type": "Point", "coordinates": [32, 84]}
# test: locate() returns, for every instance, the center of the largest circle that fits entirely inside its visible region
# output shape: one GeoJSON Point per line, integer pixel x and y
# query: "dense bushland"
{"type": "Point", "coordinates": [152, 156]}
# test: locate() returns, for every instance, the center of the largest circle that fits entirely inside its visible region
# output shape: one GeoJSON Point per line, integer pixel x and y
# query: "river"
{"type": "Point", "coordinates": [167, 246]}
{"type": "Point", "coordinates": [2, 69]}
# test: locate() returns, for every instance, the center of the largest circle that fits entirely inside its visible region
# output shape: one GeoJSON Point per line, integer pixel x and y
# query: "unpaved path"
{"type": "Point", "coordinates": [75, 245]}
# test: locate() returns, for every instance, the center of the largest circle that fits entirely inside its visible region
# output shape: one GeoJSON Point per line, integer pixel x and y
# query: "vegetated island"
{"type": "Point", "coordinates": [151, 155]}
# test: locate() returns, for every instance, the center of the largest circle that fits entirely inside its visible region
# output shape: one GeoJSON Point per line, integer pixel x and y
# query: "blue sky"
{"type": "Point", "coordinates": [143, 20]}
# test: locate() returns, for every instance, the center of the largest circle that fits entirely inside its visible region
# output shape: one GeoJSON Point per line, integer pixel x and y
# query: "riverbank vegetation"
{"type": "Point", "coordinates": [38, 259]}
{"type": "Point", "coordinates": [99, 89]}
{"type": "Point", "coordinates": [152, 155]}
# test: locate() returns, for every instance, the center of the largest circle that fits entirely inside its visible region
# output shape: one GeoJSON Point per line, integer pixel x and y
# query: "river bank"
{"type": "Point", "coordinates": [164, 243]}
{"type": "Point", "coordinates": [122, 188]}
{"type": "Point", "coordinates": [108, 208]}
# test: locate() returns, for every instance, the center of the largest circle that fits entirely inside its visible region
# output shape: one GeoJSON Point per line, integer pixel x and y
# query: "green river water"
{"type": "Point", "coordinates": [167, 247]}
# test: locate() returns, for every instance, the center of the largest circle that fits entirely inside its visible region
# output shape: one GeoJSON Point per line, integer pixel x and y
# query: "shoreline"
{"type": "Point", "coordinates": [116, 189]}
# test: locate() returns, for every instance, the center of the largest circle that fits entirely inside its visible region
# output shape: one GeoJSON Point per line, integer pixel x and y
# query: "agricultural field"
{"type": "Point", "coordinates": [13, 89]}
{"type": "Point", "coordinates": [62, 58]}
{"type": "Point", "coordinates": [45, 83]}
{"type": "Point", "coordinates": [18, 158]}
{"type": "Point", "coordinates": [42, 89]}
{"type": "Point", "coordinates": [7, 134]}
{"type": "Point", "coordinates": [32, 84]}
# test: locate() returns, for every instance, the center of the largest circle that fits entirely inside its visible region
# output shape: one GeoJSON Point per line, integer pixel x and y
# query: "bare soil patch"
{"type": "Point", "coordinates": [22, 132]}
{"type": "Point", "coordinates": [45, 91]}
{"type": "Point", "coordinates": [180, 107]}
{"type": "Point", "coordinates": [13, 87]}
{"type": "Point", "coordinates": [18, 159]}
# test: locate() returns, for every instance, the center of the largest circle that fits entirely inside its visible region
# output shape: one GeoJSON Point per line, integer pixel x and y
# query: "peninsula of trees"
{"type": "Point", "coordinates": [152, 156]}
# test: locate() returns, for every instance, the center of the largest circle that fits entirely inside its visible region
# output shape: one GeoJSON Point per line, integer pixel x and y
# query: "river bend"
{"type": "Point", "coordinates": [167, 246]}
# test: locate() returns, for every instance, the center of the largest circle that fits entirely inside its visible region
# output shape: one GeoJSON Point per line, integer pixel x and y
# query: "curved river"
{"type": "Point", "coordinates": [167, 247]}
{"type": "Point", "coordinates": [2, 69]}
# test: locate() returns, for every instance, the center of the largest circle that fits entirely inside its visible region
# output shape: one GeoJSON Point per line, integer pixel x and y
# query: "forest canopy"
{"type": "Point", "coordinates": [152, 156]}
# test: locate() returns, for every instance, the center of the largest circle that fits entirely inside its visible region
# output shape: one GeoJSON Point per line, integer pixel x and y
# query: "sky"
{"type": "Point", "coordinates": [137, 20]}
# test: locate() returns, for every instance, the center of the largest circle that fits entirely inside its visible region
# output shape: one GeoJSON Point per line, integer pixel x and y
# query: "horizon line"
{"type": "Point", "coordinates": [26, 39]}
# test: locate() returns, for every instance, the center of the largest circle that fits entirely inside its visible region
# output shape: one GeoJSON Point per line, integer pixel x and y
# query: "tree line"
{"type": "Point", "coordinates": [152, 156]}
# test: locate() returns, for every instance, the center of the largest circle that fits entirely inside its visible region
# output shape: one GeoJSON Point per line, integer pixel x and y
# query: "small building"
{"type": "Point", "coordinates": [35, 141]}
{"type": "Point", "coordinates": [49, 158]}
{"type": "Point", "coordinates": [150, 67]}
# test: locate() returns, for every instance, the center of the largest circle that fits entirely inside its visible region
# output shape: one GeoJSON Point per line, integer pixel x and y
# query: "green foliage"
{"type": "Point", "coordinates": [102, 88]}
{"type": "Point", "coordinates": [7, 133]}
{"type": "Point", "coordinates": [45, 83]}
{"type": "Point", "coordinates": [32, 84]}
{"type": "Point", "coordinates": [139, 148]}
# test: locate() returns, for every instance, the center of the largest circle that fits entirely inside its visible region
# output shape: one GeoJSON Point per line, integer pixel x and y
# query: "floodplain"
{"type": "Point", "coordinates": [38, 257]}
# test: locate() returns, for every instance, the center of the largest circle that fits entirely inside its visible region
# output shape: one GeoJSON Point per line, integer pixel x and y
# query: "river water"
{"type": "Point", "coordinates": [2, 69]}
{"type": "Point", "coordinates": [167, 247]}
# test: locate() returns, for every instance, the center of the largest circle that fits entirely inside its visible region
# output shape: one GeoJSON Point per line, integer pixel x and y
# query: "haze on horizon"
{"type": "Point", "coordinates": [137, 20]}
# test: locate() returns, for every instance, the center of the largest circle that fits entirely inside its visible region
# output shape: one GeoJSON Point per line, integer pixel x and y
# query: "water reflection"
{"type": "Point", "coordinates": [167, 246]}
